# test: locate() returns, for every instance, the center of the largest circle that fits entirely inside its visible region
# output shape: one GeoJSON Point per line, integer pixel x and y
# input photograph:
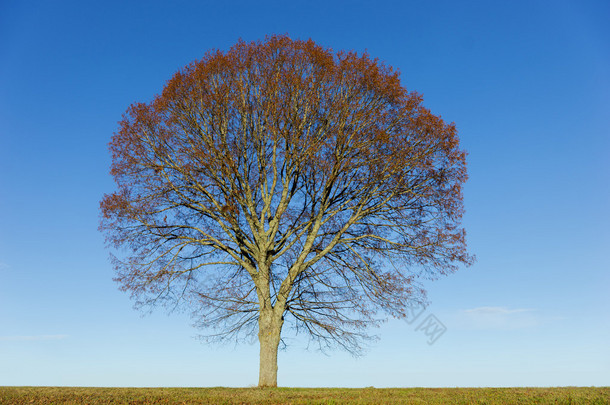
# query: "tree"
{"type": "Point", "coordinates": [281, 182]}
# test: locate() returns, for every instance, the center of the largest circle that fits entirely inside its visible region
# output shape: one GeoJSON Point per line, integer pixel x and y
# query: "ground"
{"type": "Point", "coordinates": [71, 395]}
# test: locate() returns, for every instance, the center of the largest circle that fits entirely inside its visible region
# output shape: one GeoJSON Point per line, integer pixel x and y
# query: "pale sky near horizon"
{"type": "Point", "coordinates": [527, 84]}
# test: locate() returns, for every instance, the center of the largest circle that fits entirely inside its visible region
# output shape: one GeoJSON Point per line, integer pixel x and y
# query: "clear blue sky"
{"type": "Point", "coordinates": [527, 84]}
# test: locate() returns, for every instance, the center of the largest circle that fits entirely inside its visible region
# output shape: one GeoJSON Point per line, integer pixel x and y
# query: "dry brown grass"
{"type": "Point", "coordinates": [71, 395]}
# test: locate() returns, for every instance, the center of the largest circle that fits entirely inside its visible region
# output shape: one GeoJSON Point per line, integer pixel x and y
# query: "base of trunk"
{"type": "Point", "coordinates": [269, 330]}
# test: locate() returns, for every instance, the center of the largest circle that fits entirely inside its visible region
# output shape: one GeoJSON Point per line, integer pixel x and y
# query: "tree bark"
{"type": "Point", "coordinates": [269, 329]}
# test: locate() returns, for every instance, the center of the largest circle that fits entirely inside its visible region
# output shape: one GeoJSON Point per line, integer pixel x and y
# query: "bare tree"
{"type": "Point", "coordinates": [280, 181]}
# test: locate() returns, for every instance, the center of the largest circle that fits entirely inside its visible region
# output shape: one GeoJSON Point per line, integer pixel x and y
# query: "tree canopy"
{"type": "Point", "coordinates": [278, 182]}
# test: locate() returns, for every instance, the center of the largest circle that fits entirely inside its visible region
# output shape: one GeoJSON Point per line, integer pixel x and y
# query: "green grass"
{"type": "Point", "coordinates": [69, 395]}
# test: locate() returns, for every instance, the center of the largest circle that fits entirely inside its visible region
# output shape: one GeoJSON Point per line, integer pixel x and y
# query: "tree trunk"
{"type": "Point", "coordinates": [269, 329]}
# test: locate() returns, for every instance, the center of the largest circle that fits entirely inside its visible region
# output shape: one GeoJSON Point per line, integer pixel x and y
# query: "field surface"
{"type": "Point", "coordinates": [68, 395]}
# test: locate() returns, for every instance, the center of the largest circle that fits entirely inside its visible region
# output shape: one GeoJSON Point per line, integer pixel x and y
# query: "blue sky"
{"type": "Point", "coordinates": [527, 84]}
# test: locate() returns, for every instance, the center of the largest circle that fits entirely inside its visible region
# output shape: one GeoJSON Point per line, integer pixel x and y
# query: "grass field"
{"type": "Point", "coordinates": [69, 395]}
